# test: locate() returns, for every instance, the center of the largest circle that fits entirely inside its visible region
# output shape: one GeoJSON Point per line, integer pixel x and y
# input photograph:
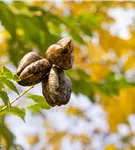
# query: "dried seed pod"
{"type": "Point", "coordinates": [61, 54]}
{"type": "Point", "coordinates": [35, 72]}
{"type": "Point", "coordinates": [27, 60]}
{"type": "Point", "coordinates": [56, 87]}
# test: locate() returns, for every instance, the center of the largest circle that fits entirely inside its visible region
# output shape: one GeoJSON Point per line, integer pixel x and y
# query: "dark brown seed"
{"type": "Point", "coordinates": [34, 72]}
{"type": "Point", "coordinates": [27, 60]}
{"type": "Point", "coordinates": [61, 54]}
{"type": "Point", "coordinates": [56, 87]}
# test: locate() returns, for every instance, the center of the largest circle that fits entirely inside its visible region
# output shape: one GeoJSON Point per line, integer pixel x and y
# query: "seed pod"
{"type": "Point", "coordinates": [61, 54]}
{"type": "Point", "coordinates": [27, 60]}
{"type": "Point", "coordinates": [35, 72]}
{"type": "Point", "coordinates": [56, 87]}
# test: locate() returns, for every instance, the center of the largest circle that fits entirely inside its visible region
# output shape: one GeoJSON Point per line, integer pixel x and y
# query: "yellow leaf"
{"type": "Point", "coordinates": [71, 111]}
{"type": "Point", "coordinates": [55, 137]}
{"type": "Point", "coordinates": [32, 139]}
{"type": "Point", "coordinates": [110, 147]}
{"type": "Point", "coordinates": [115, 114]}
{"type": "Point", "coordinates": [3, 142]}
{"type": "Point", "coordinates": [99, 71]}
{"type": "Point", "coordinates": [127, 101]}
{"type": "Point", "coordinates": [73, 138]}
{"type": "Point", "coordinates": [120, 46]}
{"type": "Point", "coordinates": [130, 63]}
{"type": "Point", "coordinates": [20, 32]}
{"type": "Point", "coordinates": [84, 139]}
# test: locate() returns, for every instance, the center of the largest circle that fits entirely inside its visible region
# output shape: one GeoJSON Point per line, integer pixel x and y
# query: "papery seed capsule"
{"type": "Point", "coordinates": [27, 60]}
{"type": "Point", "coordinates": [35, 72]}
{"type": "Point", "coordinates": [61, 53]}
{"type": "Point", "coordinates": [56, 87]}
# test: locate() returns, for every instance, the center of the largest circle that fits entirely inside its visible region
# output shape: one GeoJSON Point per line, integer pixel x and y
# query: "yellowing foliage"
{"type": "Point", "coordinates": [95, 58]}
{"type": "Point", "coordinates": [119, 107]}
{"type": "Point", "coordinates": [3, 142]}
{"type": "Point", "coordinates": [84, 139]}
{"type": "Point", "coordinates": [75, 111]}
{"type": "Point", "coordinates": [120, 46]}
{"type": "Point", "coordinates": [110, 147]}
{"type": "Point", "coordinates": [127, 101]}
{"type": "Point", "coordinates": [32, 139]}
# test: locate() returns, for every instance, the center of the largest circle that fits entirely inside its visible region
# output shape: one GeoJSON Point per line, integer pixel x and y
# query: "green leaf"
{"type": "Point", "coordinates": [7, 18]}
{"type": "Point", "coordinates": [5, 99]}
{"type": "Point", "coordinates": [7, 135]}
{"type": "Point", "coordinates": [35, 108]}
{"type": "Point", "coordinates": [19, 4]}
{"type": "Point", "coordinates": [18, 112]}
{"type": "Point", "coordinates": [16, 77]}
{"type": "Point", "coordinates": [14, 111]}
{"type": "Point", "coordinates": [11, 86]}
{"type": "Point", "coordinates": [4, 80]}
{"type": "Point", "coordinates": [3, 112]}
{"type": "Point", "coordinates": [1, 86]}
{"type": "Point", "coordinates": [86, 30]}
{"type": "Point", "coordinates": [1, 71]}
{"type": "Point", "coordinates": [111, 85]}
{"type": "Point", "coordinates": [81, 83]}
{"type": "Point", "coordinates": [6, 69]}
{"type": "Point", "coordinates": [7, 73]}
{"type": "Point", "coordinates": [40, 100]}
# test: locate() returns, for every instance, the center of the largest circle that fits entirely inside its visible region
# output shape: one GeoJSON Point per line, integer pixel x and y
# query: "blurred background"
{"type": "Point", "coordinates": [100, 114]}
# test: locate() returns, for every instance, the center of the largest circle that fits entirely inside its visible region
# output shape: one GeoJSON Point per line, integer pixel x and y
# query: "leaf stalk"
{"type": "Point", "coordinates": [5, 107]}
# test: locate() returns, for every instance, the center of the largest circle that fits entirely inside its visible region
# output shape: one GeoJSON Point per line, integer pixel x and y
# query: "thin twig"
{"type": "Point", "coordinates": [5, 107]}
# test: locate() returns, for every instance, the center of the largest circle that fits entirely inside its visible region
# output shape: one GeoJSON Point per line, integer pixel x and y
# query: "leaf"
{"type": "Point", "coordinates": [1, 86]}
{"type": "Point", "coordinates": [18, 112]}
{"type": "Point", "coordinates": [4, 80]}
{"type": "Point", "coordinates": [5, 98]}
{"type": "Point", "coordinates": [7, 73]}
{"type": "Point", "coordinates": [74, 111]}
{"type": "Point", "coordinates": [16, 77]}
{"type": "Point", "coordinates": [110, 147]}
{"type": "Point", "coordinates": [32, 139]}
{"type": "Point", "coordinates": [1, 71]}
{"type": "Point", "coordinates": [2, 112]}
{"type": "Point", "coordinates": [19, 4]}
{"type": "Point", "coordinates": [11, 86]}
{"type": "Point", "coordinates": [40, 100]}
{"type": "Point", "coordinates": [35, 108]}
{"type": "Point", "coordinates": [14, 111]}
{"type": "Point", "coordinates": [55, 137]}
{"type": "Point", "coordinates": [112, 85]}
{"type": "Point", "coordinates": [8, 19]}
{"type": "Point", "coordinates": [86, 30]}
{"type": "Point", "coordinates": [81, 83]}
{"type": "Point", "coordinates": [7, 135]}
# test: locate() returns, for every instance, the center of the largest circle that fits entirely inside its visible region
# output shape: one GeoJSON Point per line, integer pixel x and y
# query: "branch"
{"type": "Point", "coordinates": [5, 107]}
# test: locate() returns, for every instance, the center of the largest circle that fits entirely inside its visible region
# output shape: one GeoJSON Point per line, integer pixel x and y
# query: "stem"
{"type": "Point", "coordinates": [5, 107]}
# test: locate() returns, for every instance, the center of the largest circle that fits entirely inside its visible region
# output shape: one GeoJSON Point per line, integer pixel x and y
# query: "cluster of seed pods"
{"type": "Point", "coordinates": [56, 86]}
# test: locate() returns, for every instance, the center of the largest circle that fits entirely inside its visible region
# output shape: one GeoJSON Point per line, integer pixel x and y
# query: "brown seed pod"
{"type": "Point", "coordinates": [56, 87]}
{"type": "Point", "coordinates": [35, 72]}
{"type": "Point", "coordinates": [27, 60]}
{"type": "Point", "coordinates": [61, 54]}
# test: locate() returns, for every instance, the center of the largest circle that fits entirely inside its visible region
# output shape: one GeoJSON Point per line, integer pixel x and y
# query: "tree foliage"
{"type": "Point", "coordinates": [99, 69]}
